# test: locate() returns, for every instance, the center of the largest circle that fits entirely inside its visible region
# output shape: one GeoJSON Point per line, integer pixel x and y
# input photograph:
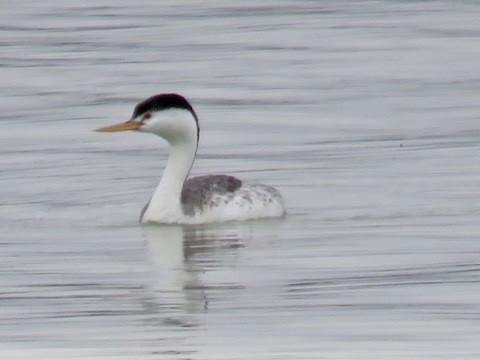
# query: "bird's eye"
{"type": "Point", "coordinates": [146, 116]}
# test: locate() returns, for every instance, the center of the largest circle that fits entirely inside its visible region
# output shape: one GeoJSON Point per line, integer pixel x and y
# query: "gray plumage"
{"type": "Point", "coordinates": [198, 192]}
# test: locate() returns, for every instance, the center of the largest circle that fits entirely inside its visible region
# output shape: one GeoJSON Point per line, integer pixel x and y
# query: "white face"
{"type": "Point", "coordinates": [173, 125]}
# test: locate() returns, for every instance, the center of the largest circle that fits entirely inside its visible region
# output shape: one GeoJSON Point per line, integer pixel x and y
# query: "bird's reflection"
{"type": "Point", "coordinates": [181, 254]}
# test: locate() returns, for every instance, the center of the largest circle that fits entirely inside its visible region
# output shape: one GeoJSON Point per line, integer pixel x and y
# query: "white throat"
{"type": "Point", "coordinates": [165, 204]}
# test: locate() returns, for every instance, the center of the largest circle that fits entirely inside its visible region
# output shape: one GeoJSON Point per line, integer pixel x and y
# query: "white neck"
{"type": "Point", "coordinates": [165, 204]}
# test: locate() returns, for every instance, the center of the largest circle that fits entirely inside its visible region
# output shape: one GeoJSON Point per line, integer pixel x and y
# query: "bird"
{"type": "Point", "coordinates": [197, 200]}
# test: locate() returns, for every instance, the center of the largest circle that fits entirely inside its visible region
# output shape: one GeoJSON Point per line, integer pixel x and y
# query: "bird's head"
{"type": "Point", "coordinates": [167, 115]}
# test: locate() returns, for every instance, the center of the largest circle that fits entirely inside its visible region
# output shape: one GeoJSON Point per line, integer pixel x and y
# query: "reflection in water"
{"type": "Point", "coordinates": [195, 268]}
{"type": "Point", "coordinates": [181, 254]}
{"type": "Point", "coordinates": [165, 244]}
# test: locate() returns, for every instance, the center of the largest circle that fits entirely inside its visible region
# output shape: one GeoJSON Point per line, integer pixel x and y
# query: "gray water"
{"type": "Point", "coordinates": [364, 114]}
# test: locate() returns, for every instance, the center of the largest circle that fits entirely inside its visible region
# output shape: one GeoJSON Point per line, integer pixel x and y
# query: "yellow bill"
{"type": "Point", "coordinates": [129, 125]}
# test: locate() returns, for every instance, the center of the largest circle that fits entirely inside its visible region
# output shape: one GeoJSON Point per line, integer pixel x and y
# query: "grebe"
{"type": "Point", "coordinates": [201, 199]}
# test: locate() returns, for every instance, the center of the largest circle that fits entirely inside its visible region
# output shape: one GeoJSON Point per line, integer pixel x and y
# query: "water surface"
{"type": "Point", "coordinates": [363, 114]}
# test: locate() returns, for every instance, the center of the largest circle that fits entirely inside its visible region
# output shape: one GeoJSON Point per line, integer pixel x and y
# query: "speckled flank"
{"type": "Point", "coordinates": [209, 190]}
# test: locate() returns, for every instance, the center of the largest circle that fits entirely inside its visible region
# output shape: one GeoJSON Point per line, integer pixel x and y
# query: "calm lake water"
{"type": "Point", "coordinates": [365, 115]}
